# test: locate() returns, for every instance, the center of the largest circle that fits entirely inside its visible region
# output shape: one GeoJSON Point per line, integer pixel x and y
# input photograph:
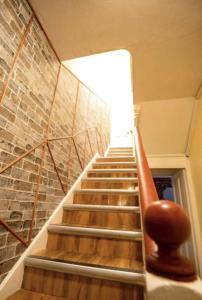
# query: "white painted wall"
{"type": "Point", "coordinates": [165, 125]}
{"type": "Point", "coordinates": [159, 288]}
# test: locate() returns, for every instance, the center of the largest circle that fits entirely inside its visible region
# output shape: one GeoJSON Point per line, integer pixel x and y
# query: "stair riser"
{"type": "Point", "coordinates": [74, 287]}
{"type": "Point", "coordinates": [95, 245]}
{"type": "Point", "coordinates": [109, 166]}
{"type": "Point", "coordinates": [115, 159]}
{"type": "Point", "coordinates": [113, 220]}
{"type": "Point", "coordinates": [106, 199]}
{"type": "Point", "coordinates": [107, 185]}
{"type": "Point", "coordinates": [112, 174]}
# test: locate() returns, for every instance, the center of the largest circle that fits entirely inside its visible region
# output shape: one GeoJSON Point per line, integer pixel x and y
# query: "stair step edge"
{"type": "Point", "coordinates": [121, 156]}
{"type": "Point", "coordinates": [118, 154]}
{"type": "Point", "coordinates": [88, 271]}
{"type": "Point", "coordinates": [120, 147]}
{"type": "Point", "coordinates": [97, 232]}
{"type": "Point", "coordinates": [133, 179]}
{"type": "Point", "coordinates": [116, 157]}
{"type": "Point", "coordinates": [115, 163]}
{"type": "Point", "coordinates": [113, 171]}
{"type": "Point", "coordinates": [108, 191]}
{"type": "Point", "coordinates": [94, 207]}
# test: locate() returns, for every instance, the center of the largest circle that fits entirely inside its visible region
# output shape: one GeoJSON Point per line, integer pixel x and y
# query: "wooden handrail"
{"type": "Point", "coordinates": [164, 222]}
{"type": "Point", "coordinates": [147, 189]}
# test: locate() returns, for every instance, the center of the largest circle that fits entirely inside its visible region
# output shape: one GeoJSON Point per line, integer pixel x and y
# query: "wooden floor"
{"type": "Point", "coordinates": [74, 287]}
{"type": "Point", "coordinates": [96, 252]}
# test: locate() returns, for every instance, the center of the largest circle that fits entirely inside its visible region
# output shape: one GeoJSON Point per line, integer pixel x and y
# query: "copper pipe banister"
{"type": "Point", "coordinates": [89, 143]}
{"type": "Point", "coordinates": [22, 156]}
{"type": "Point", "coordinates": [100, 136]}
{"type": "Point", "coordinates": [70, 136]}
{"type": "Point", "coordinates": [36, 194]}
{"type": "Point", "coordinates": [19, 49]}
{"type": "Point", "coordinates": [164, 222]}
{"type": "Point", "coordinates": [55, 167]}
{"type": "Point", "coordinates": [60, 138]}
{"type": "Point", "coordinates": [98, 146]}
{"type": "Point", "coordinates": [9, 229]}
{"type": "Point", "coordinates": [45, 143]}
{"type": "Point", "coordinates": [84, 156]}
{"type": "Point", "coordinates": [77, 153]}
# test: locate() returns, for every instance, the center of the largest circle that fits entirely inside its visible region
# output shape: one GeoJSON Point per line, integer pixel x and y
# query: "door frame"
{"type": "Point", "coordinates": [182, 197]}
{"type": "Point", "coordinates": [170, 165]}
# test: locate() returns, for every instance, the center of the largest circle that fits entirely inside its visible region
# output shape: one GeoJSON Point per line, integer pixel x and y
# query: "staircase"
{"type": "Point", "coordinates": [96, 252]}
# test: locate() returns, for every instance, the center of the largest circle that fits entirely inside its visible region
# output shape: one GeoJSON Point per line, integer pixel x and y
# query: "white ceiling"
{"type": "Point", "coordinates": [164, 37]}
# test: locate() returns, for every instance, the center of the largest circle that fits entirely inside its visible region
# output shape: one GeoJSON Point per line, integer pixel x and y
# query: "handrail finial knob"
{"type": "Point", "coordinates": [168, 225]}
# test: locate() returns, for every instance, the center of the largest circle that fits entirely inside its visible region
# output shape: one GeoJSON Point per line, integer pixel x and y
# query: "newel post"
{"type": "Point", "coordinates": [168, 226]}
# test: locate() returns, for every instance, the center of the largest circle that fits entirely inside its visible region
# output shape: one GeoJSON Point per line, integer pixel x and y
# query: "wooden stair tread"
{"type": "Point", "coordinates": [86, 271]}
{"type": "Point", "coordinates": [91, 260]}
{"type": "Point", "coordinates": [29, 295]}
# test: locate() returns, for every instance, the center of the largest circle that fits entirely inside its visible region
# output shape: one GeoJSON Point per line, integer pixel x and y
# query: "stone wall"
{"type": "Point", "coordinates": [39, 99]}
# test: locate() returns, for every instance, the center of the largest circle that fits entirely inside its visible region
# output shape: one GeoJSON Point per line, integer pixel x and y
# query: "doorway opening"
{"type": "Point", "coordinates": [164, 187]}
{"type": "Point", "coordinates": [171, 184]}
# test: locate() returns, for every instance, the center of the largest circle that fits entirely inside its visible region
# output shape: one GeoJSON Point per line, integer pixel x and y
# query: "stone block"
{"type": "Point", "coordinates": [22, 185]}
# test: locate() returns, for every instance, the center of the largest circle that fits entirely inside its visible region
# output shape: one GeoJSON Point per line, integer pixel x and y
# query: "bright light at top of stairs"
{"type": "Point", "coordinates": [109, 76]}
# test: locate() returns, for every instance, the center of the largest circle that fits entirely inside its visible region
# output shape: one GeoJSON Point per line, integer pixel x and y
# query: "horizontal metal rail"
{"type": "Point", "coordinates": [9, 229]}
{"type": "Point", "coordinates": [45, 143]}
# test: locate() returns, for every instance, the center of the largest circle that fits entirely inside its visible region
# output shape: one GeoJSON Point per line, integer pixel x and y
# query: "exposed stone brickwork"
{"type": "Point", "coordinates": [27, 116]}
